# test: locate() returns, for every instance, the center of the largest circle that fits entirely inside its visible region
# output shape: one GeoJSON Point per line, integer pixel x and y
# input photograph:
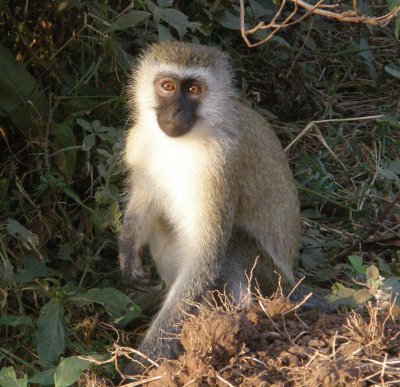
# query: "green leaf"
{"type": "Point", "coordinates": [361, 296]}
{"type": "Point", "coordinates": [6, 273]}
{"type": "Point", "coordinates": [393, 121]}
{"type": "Point", "coordinates": [15, 321]}
{"type": "Point", "coordinates": [341, 295]}
{"type": "Point", "coordinates": [33, 269]}
{"type": "Point", "coordinates": [27, 237]}
{"type": "Point", "coordinates": [116, 303]}
{"type": "Point", "coordinates": [20, 96]}
{"type": "Point", "coordinates": [279, 40]}
{"type": "Point", "coordinates": [64, 254]}
{"type": "Point", "coordinates": [165, 3]}
{"type": "Point", "coordinates": [228, 20]}
{"type": "Point", "coordinates": [391, 5]}
{"type": "Point", "coordinates": [393, 70]}
{"type": "Point", "coordinates": [368, 57]}
{"type": "Point", "coordinates": [131, 315]}
{"type": "Point", "coordinates": [89, 142]}
{"type": "Point", "coordinates": [65, 187]}
{"type": "Point", "coordinates": [107, 217]}
{"type": "Point", "coordinates": [50, 337]}
{"type": "Point", "coordinates": [69, 371]}
{"type": "Point", "coordinates": [84, 125]}
{"type": "Point", "coordinates": [356, 263]}
{"type": "Point", "coordinates": [128, 20]}
{"type": "Point", "coordinates": [389, 175]}
{"type": "Point", "coordinates": [392, 286]}
{"type": "Point", "coordinates": [163, 33]}
{"type": "Point", "coordinates": [123, 58]}
{"type": "Point", "coordinates": [154, 9]}
{"type": "Point", "coordinates": [106, 194]}
{"type": "Point", "coordinates": [384, 267]}
{"type": "Point", "coordinates": [311, 258]}
{"type": "Point", "coordinates": [45, 378]}
{"type": "Point", "coordinates": [259, 10]}
{"type": "Point", "coordinates": [372, 273]}
{"type": "Point", "coordinates": [97, 127]}
{"type": "Point", "coordinates": [66, 138]}
{"type": "Point", "coordinates": [9, 379]}
{"type": "Point", "coordinates": [394, 166]}
{"type": "Point", "coordinates": [342, 291]}
{"type": "Point", "coordinates": [176, 19]}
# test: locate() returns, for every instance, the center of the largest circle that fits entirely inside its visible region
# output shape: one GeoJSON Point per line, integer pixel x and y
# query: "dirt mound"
{"type": "Point", "coordinates": [272, 343]}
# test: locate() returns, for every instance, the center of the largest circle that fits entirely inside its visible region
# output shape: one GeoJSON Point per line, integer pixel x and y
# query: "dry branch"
{"type": "Point", "coordinates": [319, 8]}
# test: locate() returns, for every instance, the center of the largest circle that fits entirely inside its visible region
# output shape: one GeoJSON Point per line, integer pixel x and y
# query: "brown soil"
{"type": "Point", "coordinates": [272, 343]}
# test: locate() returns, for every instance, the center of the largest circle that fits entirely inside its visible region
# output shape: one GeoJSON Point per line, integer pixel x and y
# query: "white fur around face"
{"type": "Point", "coordinates": [214, 105]}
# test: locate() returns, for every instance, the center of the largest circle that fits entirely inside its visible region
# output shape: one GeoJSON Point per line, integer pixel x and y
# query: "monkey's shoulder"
{"type": "Point", "coordinates": [250, 121]}
{"type": "Point", "coordinates": [256, 133]}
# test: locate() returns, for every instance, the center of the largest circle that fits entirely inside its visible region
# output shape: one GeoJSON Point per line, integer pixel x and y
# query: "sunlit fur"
{"type": "Point", "coordinates": [207, 202]}
{"type": "Point", "coordinates": [178, 168]}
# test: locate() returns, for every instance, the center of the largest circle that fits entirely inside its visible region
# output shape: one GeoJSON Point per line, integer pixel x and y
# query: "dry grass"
{"type": "Point", "coordinates": [372, 332]}
{"type": "Point", "coordinates": [271, 340]}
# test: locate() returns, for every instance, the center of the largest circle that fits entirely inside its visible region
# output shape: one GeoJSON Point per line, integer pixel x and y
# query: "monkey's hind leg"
{"type": "Point", "coordinates": [247, 265]}
{"type": "Point", "coordinates": [246, 262]}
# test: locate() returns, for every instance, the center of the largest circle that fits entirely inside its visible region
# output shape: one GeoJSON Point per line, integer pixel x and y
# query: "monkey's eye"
{"type": "Point", "coordinates": [168, 86]}
{"type": "Point", "coordinates": [194, 90]}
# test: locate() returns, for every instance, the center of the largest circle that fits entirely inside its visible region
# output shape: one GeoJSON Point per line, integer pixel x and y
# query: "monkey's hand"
{"type": "Point", "coordinates": [130, 261]}
{"type": "Point", "coordinates": [131, 242]}
{"type": "Point", "coordinates": [132, 269]}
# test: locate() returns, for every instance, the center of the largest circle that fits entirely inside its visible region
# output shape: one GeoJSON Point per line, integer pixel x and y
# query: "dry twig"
{"type": "Point", "coordinates": [274, 26]}
{"type": "Point", "coordinates": [372, 229]}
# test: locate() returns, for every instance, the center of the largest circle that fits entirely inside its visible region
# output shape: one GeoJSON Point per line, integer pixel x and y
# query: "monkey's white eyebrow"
{"type": "Point", "coordinates": [174, 76]}
{"type": "Point", "coordinates": [165, 75]}
{"type": "Point", "coordinates": [178, 72]}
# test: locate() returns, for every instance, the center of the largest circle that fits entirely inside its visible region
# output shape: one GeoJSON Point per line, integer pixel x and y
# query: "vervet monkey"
{"type": "Point", "coordinates": [210, 186]}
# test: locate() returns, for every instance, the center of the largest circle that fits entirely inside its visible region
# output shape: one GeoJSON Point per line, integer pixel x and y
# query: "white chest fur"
{"type": "Point", "coordinates": [175, 170]}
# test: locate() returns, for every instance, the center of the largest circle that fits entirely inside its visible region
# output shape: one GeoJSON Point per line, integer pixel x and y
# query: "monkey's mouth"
{"type": "Point", "coordinates": [174, 129]}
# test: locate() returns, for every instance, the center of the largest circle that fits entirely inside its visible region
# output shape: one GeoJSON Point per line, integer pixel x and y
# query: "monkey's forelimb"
{"type": "Point", "coordinates": [136, 226]}
{"type": "Point", "coordinates": [130, 260]}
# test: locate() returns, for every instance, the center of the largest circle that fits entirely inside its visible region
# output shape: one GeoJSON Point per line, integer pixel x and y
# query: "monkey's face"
{"type": "Point", "coordinates": [178, 102]}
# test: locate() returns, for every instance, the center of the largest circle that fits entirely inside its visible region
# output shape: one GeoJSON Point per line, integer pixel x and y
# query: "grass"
{"type": "Point", "coordinates": [61, 179]}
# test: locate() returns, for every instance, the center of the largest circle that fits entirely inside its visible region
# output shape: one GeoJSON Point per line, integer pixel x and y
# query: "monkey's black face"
{"type": "Point", "coordinates": [177, 104]}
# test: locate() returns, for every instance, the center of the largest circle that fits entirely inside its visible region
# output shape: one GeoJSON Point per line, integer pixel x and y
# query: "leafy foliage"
{"type": "Point", "coordinates": [65, 67]}
{"type": "Point", "coordinates": [374, 286]}
{"type": "Point", "coordinates": [69, 371]}
{"type": "Point", "coordinates": [9, 379]}
{"type": "Point", "coordinates": [50, 337]}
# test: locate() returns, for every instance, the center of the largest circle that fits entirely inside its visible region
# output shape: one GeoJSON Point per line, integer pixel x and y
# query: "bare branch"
{"type": "Point", "coordinates": [319, 8]}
